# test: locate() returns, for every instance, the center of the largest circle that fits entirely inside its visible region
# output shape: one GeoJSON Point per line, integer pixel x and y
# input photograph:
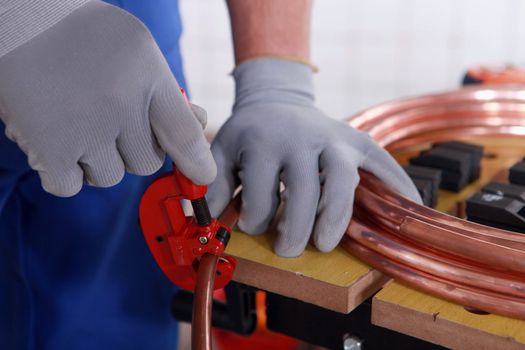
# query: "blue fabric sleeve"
{"type": "Point", "coordinates": [75, 273]}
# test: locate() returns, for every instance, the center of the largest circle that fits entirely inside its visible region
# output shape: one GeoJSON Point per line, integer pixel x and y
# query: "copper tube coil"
{"type": "Point", "coordinates": [485, 110]}
{"type": "Point", "coordinates": [434, 264]}
{"type": "Point", "coordinates": [202, 303]}
{"type": "Point", "coordinates": [467, 263]}
{"type": "Point", "coordinates": [432, 233]}
{"type": "Point", "coordinates": [489, 302]}
{"type": "Point", "coordinates": [432, 216]}
{"type": "Point", "coordinates": [490, 293]}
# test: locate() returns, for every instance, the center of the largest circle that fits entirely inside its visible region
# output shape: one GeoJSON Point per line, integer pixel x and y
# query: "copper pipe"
{"type": "Point", "coordinates": [203, 297]}
{"type": "Point", "coordinates": [202, 303]}
{"type": "Point", "coordinates": [434, 264]}
{"type": "Point", "coordinates": [512, 307]}
{"type": "Point", "coordinates": [486, 110]}
{"type": "Point", "coordinates": [500, 256]}
{"type": "Point", "coordinates": [470, 245]}
{"type": "Point", "coordinates": [429, 215]}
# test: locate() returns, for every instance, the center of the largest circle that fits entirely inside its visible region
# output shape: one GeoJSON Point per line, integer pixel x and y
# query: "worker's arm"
{"type": "Point", "coordinates": [277, 134]}
{"type": "Point", "coordinates": [86, 93]}
{"type": "Point", "coordinates": [263, 28]}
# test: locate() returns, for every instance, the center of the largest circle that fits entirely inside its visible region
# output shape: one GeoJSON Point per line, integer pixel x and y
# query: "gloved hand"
{"type": "Point", "coordinates": [276, 134]}
{"type": "Point", "coordinates": [92, 96]}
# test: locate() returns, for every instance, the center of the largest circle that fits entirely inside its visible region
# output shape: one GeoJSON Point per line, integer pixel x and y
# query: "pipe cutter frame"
{"type": "Point", "coordinates": [177, 241]}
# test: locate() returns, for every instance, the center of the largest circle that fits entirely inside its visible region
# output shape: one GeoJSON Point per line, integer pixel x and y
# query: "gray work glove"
{"type": "Point", "coordinates": [92, 96]}
{"type": "Point", "coordinates": [276, 134]}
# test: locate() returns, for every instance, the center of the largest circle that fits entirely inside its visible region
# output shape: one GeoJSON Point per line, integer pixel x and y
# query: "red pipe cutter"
{"type": "Point", "coordinates": [178, 241]}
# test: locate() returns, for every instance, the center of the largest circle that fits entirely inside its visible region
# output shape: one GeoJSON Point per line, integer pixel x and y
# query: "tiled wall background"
{"type": "Point", "coordinates": [368, 51]}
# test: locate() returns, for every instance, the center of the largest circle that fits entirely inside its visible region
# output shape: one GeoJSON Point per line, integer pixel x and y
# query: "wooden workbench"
{"type": "Point", "coordinates": [339, 282]}
{"type": "Point", "coordinates": [423, 316]}
{"type": "Point", "coordinates": [335, 281]}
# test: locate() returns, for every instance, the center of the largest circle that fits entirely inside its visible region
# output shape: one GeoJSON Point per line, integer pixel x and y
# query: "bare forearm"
{"type": "Point", "coordinates": [270, 28]}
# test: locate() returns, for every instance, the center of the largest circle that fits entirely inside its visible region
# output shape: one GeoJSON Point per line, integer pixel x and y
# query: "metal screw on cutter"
{"type": "Point", "coordinates": [352, 343]}
{"type": "Point", "coordinates": [203, 240]}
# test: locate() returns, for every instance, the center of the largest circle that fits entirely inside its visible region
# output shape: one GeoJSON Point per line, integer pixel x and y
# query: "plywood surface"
{"type": "Point", "coordinates": [408, 311]}
{"type": "Point", "coordinates": [335, 281]}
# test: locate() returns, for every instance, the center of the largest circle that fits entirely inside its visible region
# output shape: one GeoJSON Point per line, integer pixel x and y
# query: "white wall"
{"type": "Point", "coordinates": [369, 51]}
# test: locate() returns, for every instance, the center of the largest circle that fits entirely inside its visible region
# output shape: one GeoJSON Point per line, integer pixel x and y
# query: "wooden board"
{"type": "Point", "coordinates": [408, 311]}
{"type": "Point", "coordinates": [411, 312]}
{"type": "Point", "coordinates": [335, 281]}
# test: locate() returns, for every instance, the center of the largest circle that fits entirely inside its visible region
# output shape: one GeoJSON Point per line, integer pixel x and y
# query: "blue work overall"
{"type": "Point", "coordinates": [75, 273]}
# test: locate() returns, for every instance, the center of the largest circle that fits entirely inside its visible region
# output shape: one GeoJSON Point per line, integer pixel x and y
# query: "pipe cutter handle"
{"type": "Point", "coordinates": [177, 241]}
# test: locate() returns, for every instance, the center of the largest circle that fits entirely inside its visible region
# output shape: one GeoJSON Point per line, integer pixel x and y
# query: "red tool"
{"type": "Point", "coordinates": [178, 241]}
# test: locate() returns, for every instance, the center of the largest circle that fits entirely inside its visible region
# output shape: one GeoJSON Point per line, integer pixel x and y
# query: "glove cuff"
{"type": "Point", "coordinates": [22, 20]}
{"type": "Point", "coordinates": [273, 80]}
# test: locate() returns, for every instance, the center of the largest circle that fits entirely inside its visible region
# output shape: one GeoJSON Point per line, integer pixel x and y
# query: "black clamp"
{"type": "Point", "coordinates": [459, 163]}
{"type": "Point", "coordinates": [498, 205]}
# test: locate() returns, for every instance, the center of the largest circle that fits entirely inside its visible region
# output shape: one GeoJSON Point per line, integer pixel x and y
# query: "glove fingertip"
{"type": "Point", "coordinates": [286, 248]}
{"type": "Point", "coordinates": [65, 188]}
{"type": "Point", "coordinates": [200, 114]}
{"type": "Point", "coordinates": [387, 169]}
{"type": "Point", "coordinates": [215, 207]}
{"type": "Point", "coordinates": [407, 189]}
{"type": "Point", "coordinates": [326, 245]}
{"type": "Point", "coordinates": [218, 198]}
{"type": "Point", "coordinates": [197, 164]}
{"type": "Point", "coordinates": [330, 229]}
{"type": "Point", "coordinates": [287, 251]}
{"type": "Point", "coordinates": [404, 185]}
{"type": "Point", "coordinates": [251, 228]}
{"type": "Point", "coordinates": [412, 193]}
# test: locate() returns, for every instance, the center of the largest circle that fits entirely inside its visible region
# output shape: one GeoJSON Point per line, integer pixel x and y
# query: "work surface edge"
{"type": "Point", "coordinates": [442, 326]}
{"type": "Point", "coordinates": [341, 299]}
